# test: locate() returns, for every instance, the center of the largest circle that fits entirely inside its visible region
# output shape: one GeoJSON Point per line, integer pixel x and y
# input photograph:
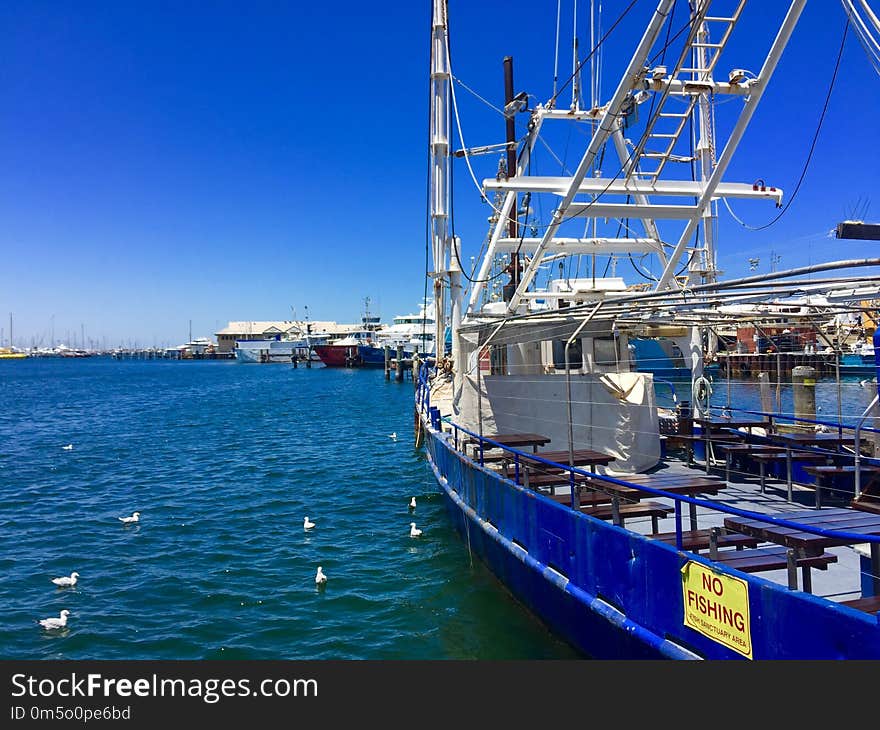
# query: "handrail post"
{"type": "Point", "coordinates": [516, 468]}
{"type": "Point", "coordinates": [857, 478]}
{"type": "Point", "coordinates": [575, 498]}
{"type": "Point", "coordinates": [568, 382]}
{"type": "Point", "coordinates": [678, 538]}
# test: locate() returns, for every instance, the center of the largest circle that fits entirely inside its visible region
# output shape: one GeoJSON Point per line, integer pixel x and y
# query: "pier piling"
{"type": "Point", "coordinates": [764, 386]}
{"type": "Point", "coordinates": [399, 375]}
{"type": "Point", "coordinates": [803, 381]}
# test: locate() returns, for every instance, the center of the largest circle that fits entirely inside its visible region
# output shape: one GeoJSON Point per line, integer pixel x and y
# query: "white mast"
{"type": "Point", "coordinates": [440, 170]}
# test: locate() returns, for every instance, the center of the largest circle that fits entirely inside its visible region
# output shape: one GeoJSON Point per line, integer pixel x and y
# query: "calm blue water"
{"type": "Point", "coordinates": [223, 461]}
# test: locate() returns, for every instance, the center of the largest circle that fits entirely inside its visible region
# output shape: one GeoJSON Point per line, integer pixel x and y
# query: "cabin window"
{"type": "Point", "coordinates": [575, 354]}
{"type": "Point", "coordinates": [497, 359]}
{"type": "Point", "coordinates": [605, 351]}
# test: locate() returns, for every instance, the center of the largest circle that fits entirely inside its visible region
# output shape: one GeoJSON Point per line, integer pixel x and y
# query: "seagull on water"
{"type": "Point", "coordinates": [69, 447]}
{"type": "Point", "coordinates": [320, 578]}
{"type": "Point", "coordinates": [307, 525]}
{"type": "Point", "coordinates": [65, 580]}
{"type": "Point", "coordinates": [413, 530]}
{"type": "Point", "coordinates": [56, 623]}
{"type": "Point", "coordinates": [135, 516]}
{"type": "Point", "coordinates": [393, 435]}
{"type": "Point", "coordinates": [412, 503]}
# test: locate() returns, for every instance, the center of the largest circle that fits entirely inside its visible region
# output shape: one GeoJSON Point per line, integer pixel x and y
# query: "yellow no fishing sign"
{"type": "Point", "coordinates": [717, 606]}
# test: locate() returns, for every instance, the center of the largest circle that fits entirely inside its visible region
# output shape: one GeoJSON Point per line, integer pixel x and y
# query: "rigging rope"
{"type": "Point", "coordinates": [812, 146]}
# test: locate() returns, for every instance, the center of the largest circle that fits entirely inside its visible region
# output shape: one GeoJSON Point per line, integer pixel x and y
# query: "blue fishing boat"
{"type": "Point", "coordinates": [713, 533]}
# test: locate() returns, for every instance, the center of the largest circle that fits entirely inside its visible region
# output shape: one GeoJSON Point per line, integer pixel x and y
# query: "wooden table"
{"type": "Point", "coordinates": [513, 440]}
{"type": "Point", "coordinates": [731, 450]}
{"type": "Point", "coordinates": [716, 423]}
{"type": "Point", "coordinates": [813, 439]}
{"type": "Point", "coordinates": [822, 471]}
{"type": "Point", "coordinates": [726, 427]}
{"type": "Point", "coordinates": [681, 485]}
{"type": "Point", "coordinates": [579, 457]}
{"type": "Point", "coordinates": [630, 492]}
{"type": "Point", "coordinates": [790, 441]}
{"type": "Point", "coordinates": [812, 545]}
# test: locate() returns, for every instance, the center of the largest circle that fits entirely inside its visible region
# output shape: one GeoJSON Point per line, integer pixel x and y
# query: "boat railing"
{"type": "Point", "coordinates": [770, 416]}
{"type": "Point", "coordinates": [857, 487]}
{"type": "Point", "coordinates": [678, 499]}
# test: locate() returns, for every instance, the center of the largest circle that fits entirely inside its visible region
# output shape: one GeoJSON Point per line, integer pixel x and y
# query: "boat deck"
{"type": "Point", "coordinates": [837, 574]}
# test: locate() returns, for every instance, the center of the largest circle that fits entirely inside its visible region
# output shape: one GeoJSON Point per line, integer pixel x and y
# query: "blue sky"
{"type": "Point", "coordinates": [162, 163]}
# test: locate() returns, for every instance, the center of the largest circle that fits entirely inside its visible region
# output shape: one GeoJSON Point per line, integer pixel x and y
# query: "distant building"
{"type": "Point", "coordinates": [277, 330]}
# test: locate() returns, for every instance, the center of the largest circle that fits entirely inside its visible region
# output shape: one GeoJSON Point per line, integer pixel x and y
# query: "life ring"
{"type": "Point", "coordinates": [702, 390]}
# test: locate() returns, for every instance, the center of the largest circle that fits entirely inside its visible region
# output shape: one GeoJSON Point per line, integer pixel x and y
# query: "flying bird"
{"type": "Point", "coordinates": [65, 580]}
{"type": "Point", "coordinates": [413, 530]}
{"type": "Point", "coordinates": [56, 623]}
{"type": "Point", "coordinates": [320, 578]}
{"type": "Point", "coordinates": [307, 525]}
{"type": "Point", "coordinates": [135, 517]}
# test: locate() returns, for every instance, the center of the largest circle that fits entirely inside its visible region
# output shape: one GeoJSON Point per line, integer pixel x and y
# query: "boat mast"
{"type": "Point", "coordinates": [704, 268]}
{"type": "Point", "coordinates": [510, 138]}
{"type": "Point", "coordinates": [439, 179]}
{"type": "Point", "coordinates": [756, 87]}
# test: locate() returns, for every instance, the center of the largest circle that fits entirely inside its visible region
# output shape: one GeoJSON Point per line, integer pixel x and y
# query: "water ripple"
{"type": "Point", "coordinates": [223, 461]}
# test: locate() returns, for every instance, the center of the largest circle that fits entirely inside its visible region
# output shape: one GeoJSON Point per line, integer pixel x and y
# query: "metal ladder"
{"type": "Point", "coordinates": [696, 47]}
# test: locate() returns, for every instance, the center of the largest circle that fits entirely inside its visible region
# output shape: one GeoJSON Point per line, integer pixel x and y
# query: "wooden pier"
{"type": "Point", "coordinates": [749, 364]}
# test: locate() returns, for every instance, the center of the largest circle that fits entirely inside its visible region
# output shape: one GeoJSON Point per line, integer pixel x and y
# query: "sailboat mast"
{"type": "Point", "coordinates": [439, 171]}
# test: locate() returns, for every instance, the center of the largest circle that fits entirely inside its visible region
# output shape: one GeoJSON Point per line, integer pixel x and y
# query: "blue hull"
{"type": "Point", "coordinates": [614, 594]}
{"type": "Point", "coordinates": [374, 357]}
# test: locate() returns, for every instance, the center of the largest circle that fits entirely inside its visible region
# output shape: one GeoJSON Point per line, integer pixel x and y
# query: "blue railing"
{"type": "Point", "coordinates": [678, 498]}
{"type": "Point", "coordinates": [770, 416]}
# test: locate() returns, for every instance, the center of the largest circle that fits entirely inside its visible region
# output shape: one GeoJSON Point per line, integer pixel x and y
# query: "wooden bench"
{"type": "Point", "coordinates": [756, 560]}
{"type": "Point", "coordinates": [586, 498]}
{"type": "Point", "coordinates": [696, 540]}
{"type": "Point", "coordinates": [654, 510]}
{"type": "Point", "coordinates": [547, 480]}
{"type": "Point", "coordinates": [869, 604]}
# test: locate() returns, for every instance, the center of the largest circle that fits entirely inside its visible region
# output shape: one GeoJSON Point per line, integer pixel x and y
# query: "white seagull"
{"type": "Point", "coordinates": [863, 383]}
{"type": "Point", "coordinates": [69, 447]}
{"type": "Point", "coordinates": [413, 530]}
{"type": "Point", "coordinates": [393, 435]}
{"type": "Point", "coordinates": [135, 516]}
{"type": "Point", "coordinates": [65, 581]}
{"type": "Point", "coordinates": [412, 503]}
{"type": "Point", "coordinates": [56, 623]}
{"type": "Point", "coordinates": [320, 578]}
{"type": "Point", "coordinates": [307, 525]}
